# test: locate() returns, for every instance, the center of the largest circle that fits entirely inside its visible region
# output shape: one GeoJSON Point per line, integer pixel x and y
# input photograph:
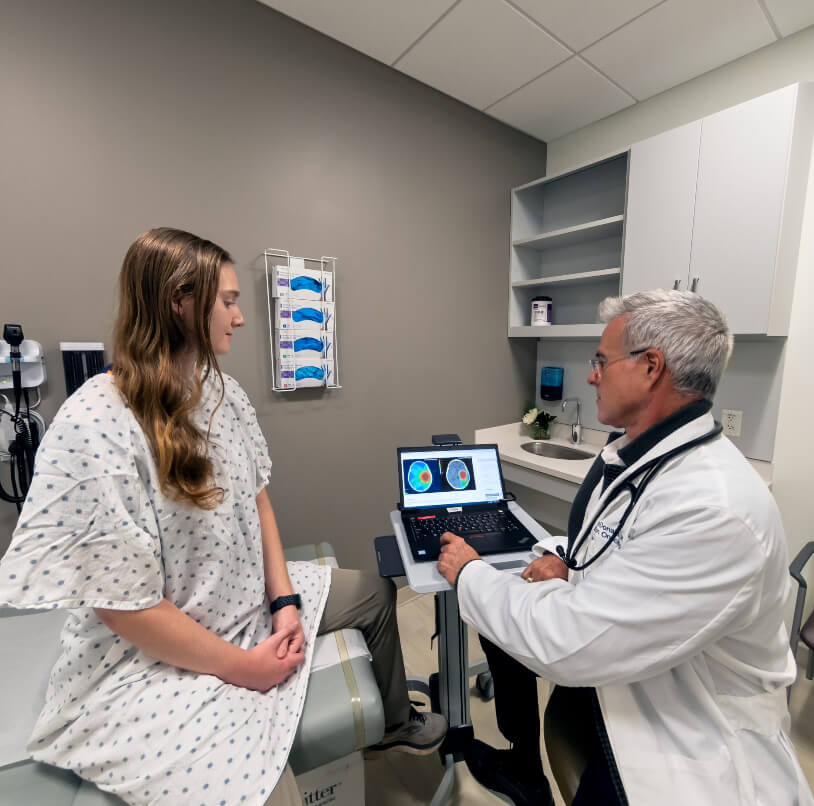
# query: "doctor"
{"type": "Point", "coordinates": [659, 618]}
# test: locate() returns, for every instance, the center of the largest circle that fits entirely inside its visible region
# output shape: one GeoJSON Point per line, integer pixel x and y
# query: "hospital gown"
{"type": "Point", "coordinates": [97, 531]}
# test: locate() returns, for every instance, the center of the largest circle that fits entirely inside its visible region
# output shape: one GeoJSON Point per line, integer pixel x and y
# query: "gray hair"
{"type": "Point", "coordinates": [690, 332]}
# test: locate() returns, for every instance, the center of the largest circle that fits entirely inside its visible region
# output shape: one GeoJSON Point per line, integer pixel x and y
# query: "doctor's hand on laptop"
{"type": "Point", "coordinates": [549, 566]}
{"type": "Point", "coordinates": [456, 553]}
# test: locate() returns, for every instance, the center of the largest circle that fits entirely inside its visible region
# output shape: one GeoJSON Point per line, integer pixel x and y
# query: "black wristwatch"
{"type": "Point", "coordinates": [285, 601]}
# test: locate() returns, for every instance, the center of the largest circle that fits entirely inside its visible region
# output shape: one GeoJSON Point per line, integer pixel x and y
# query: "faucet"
{"type": "Point", "coordinates": [576, 427]}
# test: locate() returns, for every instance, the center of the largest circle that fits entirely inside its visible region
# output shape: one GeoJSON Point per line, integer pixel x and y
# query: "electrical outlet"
{"type": "Point", "coordinates": [732, 419]}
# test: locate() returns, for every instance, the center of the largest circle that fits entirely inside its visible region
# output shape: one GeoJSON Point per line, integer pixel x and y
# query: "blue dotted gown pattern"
{"type": "Point", "coordinates": [97, 531]}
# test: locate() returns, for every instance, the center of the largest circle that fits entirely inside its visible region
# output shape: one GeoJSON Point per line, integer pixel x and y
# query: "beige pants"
{"type": "Point", "coordinates": [365, 601]}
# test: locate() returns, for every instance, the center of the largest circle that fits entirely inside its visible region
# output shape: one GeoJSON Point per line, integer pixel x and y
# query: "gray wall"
{"type": "Point", "coordinates": [225, 118]}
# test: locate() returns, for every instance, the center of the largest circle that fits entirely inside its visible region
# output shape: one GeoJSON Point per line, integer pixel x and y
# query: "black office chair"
{"type": "Point", "coordinates": [806, 632]}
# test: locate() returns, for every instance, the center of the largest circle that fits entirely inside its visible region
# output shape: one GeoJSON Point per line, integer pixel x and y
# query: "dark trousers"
{"type": "Point", "coordinates": [518, 718]}
{"type": "Point", "coordinates": [516, 706]}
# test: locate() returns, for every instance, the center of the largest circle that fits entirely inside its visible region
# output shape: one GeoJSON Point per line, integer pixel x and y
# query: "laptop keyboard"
{"type": "Point", "coordinates": [464, 524]}
{"type": "Point", "coordinates": [488, 532]}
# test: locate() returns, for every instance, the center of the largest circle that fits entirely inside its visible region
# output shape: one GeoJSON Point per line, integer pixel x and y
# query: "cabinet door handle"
{"type": "Point", "coordinates": [694, 286]}
{"type": "Point", "coordinates": [677, 285]}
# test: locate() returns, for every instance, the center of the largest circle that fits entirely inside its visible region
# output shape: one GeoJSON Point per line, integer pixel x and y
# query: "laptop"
{"type": "Point", "coordinates": [457, 489]}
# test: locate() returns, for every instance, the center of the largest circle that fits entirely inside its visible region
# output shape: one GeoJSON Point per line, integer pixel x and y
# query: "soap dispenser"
{"type": "Point", "coordinates": [551, 379]}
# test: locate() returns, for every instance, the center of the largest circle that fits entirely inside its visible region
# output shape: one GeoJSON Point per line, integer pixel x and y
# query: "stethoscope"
{"type": "Point", "coordinates": [648, 470]}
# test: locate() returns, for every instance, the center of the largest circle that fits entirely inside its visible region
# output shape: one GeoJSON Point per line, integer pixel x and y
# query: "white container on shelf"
{"type": "Point", "coordinates": [541, 311]}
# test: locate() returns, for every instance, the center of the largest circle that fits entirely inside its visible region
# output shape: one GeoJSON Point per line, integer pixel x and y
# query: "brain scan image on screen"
{"type": "Point", "coordinates": [419, 476]}
{"type": "Point", "coordinates": [458, 475]}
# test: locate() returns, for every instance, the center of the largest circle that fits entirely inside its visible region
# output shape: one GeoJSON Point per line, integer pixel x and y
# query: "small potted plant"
{"type": "Point", "coordinates": [538, 421]}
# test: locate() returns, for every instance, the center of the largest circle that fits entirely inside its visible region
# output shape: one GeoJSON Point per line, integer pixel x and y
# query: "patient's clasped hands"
{"type": "Point", "coordinates": [288, 617]}
{"type": "Point", "coordinates": [264, 668]}
{"type": "Point", "coordinates": [274, 660]}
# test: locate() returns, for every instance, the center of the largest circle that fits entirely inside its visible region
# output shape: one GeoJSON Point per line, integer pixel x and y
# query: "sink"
{"type": "Point", "coordinates": [555, 451]}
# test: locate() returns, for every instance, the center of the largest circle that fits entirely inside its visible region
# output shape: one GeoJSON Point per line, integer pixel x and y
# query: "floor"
{"type": "Point", "coordinates": [396, 779]}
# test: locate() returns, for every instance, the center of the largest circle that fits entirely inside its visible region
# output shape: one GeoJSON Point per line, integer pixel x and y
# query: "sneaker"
{"type": "Point", "coordinates": [421, 734]}
{"type": "Point", "coordinates": [505, 772]}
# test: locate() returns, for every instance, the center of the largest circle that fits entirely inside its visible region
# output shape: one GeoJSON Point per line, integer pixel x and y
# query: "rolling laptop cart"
{"type": "Point", "coordinates": [448, 689]}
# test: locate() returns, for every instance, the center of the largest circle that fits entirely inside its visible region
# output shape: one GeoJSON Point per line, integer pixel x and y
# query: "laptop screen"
{"type": "Point", "coordinates": [449, 477]}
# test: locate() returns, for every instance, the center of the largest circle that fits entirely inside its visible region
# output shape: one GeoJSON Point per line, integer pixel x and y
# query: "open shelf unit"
{"type": "Point", "coordinates": [567, 233]}
{"type": "Point", "coordinates": [580, 233]}
{"type": "Point", "coordinates": [568, 279]}
{"type": "Point", "coordinates": [576, 332]}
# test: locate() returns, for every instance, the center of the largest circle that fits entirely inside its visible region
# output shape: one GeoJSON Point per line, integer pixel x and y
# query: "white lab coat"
{"type": "Point", "coordinates": [679, 626]}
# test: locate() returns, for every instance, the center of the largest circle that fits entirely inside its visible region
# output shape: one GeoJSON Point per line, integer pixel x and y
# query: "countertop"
{"type": "Point", "coordinates": [510, 437]}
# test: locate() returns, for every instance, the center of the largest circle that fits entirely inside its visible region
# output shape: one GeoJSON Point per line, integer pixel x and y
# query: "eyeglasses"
{"type": "Point", "coordinates": [599, 365]}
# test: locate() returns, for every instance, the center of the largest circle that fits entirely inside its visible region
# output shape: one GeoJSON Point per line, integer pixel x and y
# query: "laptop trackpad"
{"type": "Point", "coordinates": [488, 543]}
{"type": "Point", "coordinates": [509, 564]}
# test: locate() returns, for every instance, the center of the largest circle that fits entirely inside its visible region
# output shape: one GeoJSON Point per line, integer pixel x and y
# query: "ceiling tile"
{"type": "Point", "coordinates": [381, 30]}
{"type": "Point", "coordinates": [679, 40]}
{"type": "Point", "coordinates": [566, 98]}
{"type": "Point", "coordinates": [580, 23]}
{"type": "Point", "coordinates": [791, 15]}
{"type": "Point", "coordinates": [482, 50]}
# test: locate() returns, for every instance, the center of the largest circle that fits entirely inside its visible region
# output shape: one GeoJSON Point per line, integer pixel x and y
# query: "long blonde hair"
{"type": "Point", "coordinates": [160, 267]}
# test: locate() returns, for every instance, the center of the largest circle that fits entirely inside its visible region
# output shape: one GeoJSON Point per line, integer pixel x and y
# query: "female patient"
{"type": "Point", "coordinates": [185, 656]}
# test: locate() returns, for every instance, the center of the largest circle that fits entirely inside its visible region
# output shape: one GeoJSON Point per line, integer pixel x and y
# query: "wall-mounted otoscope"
{"type": "Point", "coordinates": [21, 368]}
{"type": "Point", "coordinates": [13, 336]}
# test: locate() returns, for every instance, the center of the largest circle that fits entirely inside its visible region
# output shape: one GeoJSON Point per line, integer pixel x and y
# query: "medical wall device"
{"type": "Point", "coordinates": [81, 360]}
{"type": "Point", "coordinates": [301, 299]}
{"type": "Point", "coordinates": [31, 365]}
{"type": "Point", "coordinates": [22, 369]}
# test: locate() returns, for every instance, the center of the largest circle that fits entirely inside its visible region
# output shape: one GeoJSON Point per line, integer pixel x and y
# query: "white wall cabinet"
{"type": "Point", "coordinates": [715, 207]}
{"type": "Point", "coordinates": [743, 166]}
{"type": "Point", "coordinates": [660, 209]}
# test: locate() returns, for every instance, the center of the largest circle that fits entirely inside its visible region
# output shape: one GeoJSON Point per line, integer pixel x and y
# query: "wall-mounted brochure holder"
{"type": "Point", "coordinates": [301, 299]}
